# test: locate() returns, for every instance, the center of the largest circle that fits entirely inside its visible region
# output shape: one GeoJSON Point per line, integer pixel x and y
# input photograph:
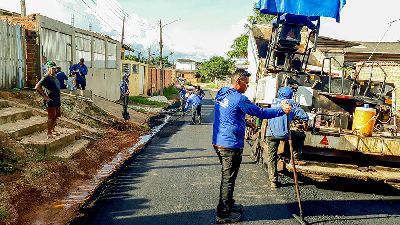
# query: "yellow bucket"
{"type": "Point", "coordinates": [364, 121]}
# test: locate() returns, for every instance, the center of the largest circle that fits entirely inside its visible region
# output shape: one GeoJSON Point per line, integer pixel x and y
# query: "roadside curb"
{"type": "Point", "coordinates": [84, 196]}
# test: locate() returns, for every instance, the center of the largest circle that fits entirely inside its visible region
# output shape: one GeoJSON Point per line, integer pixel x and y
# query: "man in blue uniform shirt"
{"type": "Point", "coordinates": [277, 131]}
{"type": "Point", "coordinates": [194, 100]}
{"type": "Point", "coordinates": [182, 96]}
{"type": "Point", "coordinates": [231, 107]}
{"type": "Point", "coordinates": [61, 77]}
{"type": "Point", "coordinates": [80, 70]}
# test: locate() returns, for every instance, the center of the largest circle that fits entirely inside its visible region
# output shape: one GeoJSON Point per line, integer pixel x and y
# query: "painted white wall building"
{"type": "Point", "coordinates": [185, 65]}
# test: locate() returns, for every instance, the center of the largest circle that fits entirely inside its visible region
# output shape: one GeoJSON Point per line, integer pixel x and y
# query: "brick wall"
{"type": "Point", "coordinates": [154, 80]}
{"type": "Point", "coordinates": [33, 67]}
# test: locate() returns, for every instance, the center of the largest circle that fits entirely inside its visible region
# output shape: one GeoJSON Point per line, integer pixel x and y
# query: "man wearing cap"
{"type": "Point", "coordinates": [53, 99]}
{"type": "Point", "coordinates": [80, 70]}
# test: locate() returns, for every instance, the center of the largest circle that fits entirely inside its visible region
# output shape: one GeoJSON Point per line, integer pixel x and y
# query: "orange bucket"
{"type": "Point", "coordinates": [364, 121]}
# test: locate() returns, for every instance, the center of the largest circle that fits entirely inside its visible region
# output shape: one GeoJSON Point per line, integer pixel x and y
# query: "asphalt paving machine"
{"type": "Point", "coordinates": [352, 131]}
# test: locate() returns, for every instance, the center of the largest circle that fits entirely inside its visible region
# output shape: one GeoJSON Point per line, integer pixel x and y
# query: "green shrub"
{"type": "Point", "coordinates": [144, 101]}
{"type": "Point", "coordinates": [171, 92]}
{"type": "Point", "coordinates": [3, 213]}
{"type": "Point", "coordinates": [212, 86]}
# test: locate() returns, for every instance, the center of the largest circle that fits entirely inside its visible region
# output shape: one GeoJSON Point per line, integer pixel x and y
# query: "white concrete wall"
{"type": "Point", "coordinates": [186, 66]}
{"type": "Point", "coordinates": [103, 78]}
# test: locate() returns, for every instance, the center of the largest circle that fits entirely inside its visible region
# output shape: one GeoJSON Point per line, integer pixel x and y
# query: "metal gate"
{"type": "Point", "coordinates": [56, 46]}
{"type": "Point", "coordinates": [12, 55]}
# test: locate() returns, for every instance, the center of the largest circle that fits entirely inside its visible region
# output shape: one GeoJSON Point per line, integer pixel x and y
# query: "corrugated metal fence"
{"type": "Point", "coordinates": [12, 55]}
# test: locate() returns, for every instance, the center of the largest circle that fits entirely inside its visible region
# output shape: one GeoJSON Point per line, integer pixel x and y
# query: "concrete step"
{"type": "Point", "coordinates": [43, 144]}
{"type": "Point", "coordinates": [83, 93]}
{"type": "Point", "coordinates": [70, 150]}
{"type": "Point", "coordinates": [28, 126]}
{"type": "Point", "coordinates": [12, 114]}
{"type": "Point", "coordinates": [3, 104]}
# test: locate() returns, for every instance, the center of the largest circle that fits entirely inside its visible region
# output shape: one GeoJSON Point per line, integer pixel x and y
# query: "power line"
{"type": "Point", "coordinates": [100, 17]}
{"type": "Point", "coordinates": [77, 13]}
{"type": "Point", "coordinates": [141, 25]}
{"type": "Point", "coordinates": [118, 7]}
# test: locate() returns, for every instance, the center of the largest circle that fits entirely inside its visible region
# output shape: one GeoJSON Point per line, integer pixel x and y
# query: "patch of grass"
{"type": "Point", "coordinates": [35, 173]}
{"type": "Point", "coordinates": [3, 213]}
{"type": "Point", "coordinates": [171, 92]}
{"type": "Point", "coordinates": [212, 86]}
{"type": "Point", "coordinates": [144, 101]}
{"type": "Point", "coordinates": [43, 156]}
{"type": "Point", "coordinates": [137, 109]}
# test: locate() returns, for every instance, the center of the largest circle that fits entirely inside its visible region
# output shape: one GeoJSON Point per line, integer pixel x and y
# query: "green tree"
{"type": "Point", "coordinates": [132, 58]}
{"type": "Point", "coordinates": [156, 61]}
{"type": "Point", "coordinates": [239, 47]}
{"type": "Point", "coordinates": [216, 67]}
{"type": "Point", "coordinates": [259, 18]}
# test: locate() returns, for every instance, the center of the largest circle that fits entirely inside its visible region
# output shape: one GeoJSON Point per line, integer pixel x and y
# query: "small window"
{"type": "Point", "coordinates": [126, 68]}
{"type": "Point", "coordinates": [134, 68]}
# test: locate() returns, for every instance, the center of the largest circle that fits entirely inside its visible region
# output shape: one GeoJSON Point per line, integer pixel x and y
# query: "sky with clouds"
{"type": "Point", "coordinates": [204, 27]}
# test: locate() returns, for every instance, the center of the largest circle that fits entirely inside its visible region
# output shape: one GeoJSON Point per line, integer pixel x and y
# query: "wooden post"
{"type": "Point", "coordinates": [122, 38]}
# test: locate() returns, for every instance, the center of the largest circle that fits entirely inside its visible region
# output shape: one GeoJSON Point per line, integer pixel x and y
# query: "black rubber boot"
{"type": "Point", "coordinates": [232, 217]}
{"type": "Point", "coordinates": [237, 208]}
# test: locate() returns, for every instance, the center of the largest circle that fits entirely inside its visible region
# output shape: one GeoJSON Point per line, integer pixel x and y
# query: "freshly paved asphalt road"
{"type": "Point", "coordinates": [176, 181]}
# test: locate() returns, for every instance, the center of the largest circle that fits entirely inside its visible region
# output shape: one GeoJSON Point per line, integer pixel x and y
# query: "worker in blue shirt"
{"type": "Point", "coordinates": [194, 100]}
{"type": "Point", "coordinates": [277, 131]}
{"type": "Point", "coordinates": [124, 91]}
{"type": "Point", "coordinates": [182, 97]}
{"type": "Point", "coordinates": [80, 70]}
{"type": "Point", "coordinates": [231, 107]}
{"type": "Point", "coordinates": [61, 77]}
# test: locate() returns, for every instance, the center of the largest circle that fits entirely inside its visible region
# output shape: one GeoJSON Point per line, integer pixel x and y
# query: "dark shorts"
{"type": "Point", "coordinates": [81, 84]}
{"type": "Point", "coordinates": [53, 112]}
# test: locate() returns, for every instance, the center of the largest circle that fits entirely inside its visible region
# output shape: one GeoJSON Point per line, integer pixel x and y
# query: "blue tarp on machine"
{"type": "Point", "coordinates": [324, 8]}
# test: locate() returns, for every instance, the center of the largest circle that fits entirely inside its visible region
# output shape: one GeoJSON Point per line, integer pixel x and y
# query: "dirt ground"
{"type": "Point", "coordinates": [31, 182]}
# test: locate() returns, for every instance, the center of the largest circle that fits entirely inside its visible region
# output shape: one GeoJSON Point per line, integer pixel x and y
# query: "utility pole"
{"type": "Point", "coordinates": [161, 62]}
{"type": "Point", "coordinates": [123, 31]}
{"type": "Point", "coordinates": [161, 56]}
{"type": "Point", "coordinates": [148, 59]}
{"type": "Point", "coordinates": [150, 73]}
{"type": "Point", "coordinates": [122, 38]}
{"type": "Point", "coordinates": [72, 19]}
{"type": "Point", "coordinates": [23, 8]}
